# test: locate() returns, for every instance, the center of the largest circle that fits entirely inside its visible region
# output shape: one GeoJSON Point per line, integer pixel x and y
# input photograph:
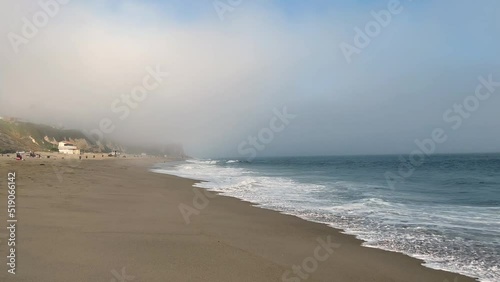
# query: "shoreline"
{"type": "Point", "coordinates": [111, 216]}
{"type": "Point", "coordinates": [329, 225]}
{"type": "Point", "coordinates": [336, 229]}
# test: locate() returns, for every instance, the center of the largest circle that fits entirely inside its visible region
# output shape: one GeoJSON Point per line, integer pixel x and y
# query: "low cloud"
{"type": "Point", "coordinates": [226, 77]}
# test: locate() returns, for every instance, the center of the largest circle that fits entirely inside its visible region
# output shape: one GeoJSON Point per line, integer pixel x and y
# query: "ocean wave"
{"type": "Point", "coordinates": [430, 232]}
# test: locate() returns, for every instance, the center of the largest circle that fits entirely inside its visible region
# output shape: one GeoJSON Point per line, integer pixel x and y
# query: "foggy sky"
{"type": "Point", "coordinates": [227, 77]}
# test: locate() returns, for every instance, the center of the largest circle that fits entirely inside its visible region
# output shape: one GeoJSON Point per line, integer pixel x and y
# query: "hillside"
{"type": "Point", "coordinates": [25, 136]}
{"type": "Point", "coordinates": [17, 135]}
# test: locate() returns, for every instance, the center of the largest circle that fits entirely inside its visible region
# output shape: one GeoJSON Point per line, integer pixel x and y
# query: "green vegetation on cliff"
{"type": "Point", "coordinates": [16, 135]}
{"type": "Point", "coordinates": [25, 136]}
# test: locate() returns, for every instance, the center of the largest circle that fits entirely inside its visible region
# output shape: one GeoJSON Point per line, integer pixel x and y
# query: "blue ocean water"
{"type": "Point", "coordinates": [446, 213]}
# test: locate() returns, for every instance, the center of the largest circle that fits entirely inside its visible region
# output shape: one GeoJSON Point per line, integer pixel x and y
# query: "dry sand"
{"type": "Point", "coordinates": [97, 220]}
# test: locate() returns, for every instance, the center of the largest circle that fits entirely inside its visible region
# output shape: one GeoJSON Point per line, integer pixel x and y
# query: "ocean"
{"type": "Point", "coordinates": [446, 213]}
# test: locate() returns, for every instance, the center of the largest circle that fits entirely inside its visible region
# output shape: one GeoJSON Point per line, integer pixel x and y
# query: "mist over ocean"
{"type": "Point", "coordinates": [447, 213]}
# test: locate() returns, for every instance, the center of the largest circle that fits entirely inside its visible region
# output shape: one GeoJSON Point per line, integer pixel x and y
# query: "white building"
{"type": "Point", "coordinates": [68, 148]}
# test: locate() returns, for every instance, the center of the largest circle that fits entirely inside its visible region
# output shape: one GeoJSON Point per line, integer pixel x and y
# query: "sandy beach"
{"type": "Point", "coordinates": [114, 220]}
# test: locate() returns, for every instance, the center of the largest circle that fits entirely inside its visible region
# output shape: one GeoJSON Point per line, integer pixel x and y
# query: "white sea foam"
{"type": "Point", "coordinates": [416, 230]}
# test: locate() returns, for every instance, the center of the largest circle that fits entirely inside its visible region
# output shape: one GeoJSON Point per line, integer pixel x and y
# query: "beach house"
{"type": "Point", "coordinates": [68, 148]}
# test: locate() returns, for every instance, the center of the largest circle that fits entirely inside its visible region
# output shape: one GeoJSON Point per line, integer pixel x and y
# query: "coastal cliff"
{"type": "Point", "coordinates": [16, 135]}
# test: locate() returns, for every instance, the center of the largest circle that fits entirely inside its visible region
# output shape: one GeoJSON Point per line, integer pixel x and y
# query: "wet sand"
{"type": "Point", "coordinates": [113, 220]}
